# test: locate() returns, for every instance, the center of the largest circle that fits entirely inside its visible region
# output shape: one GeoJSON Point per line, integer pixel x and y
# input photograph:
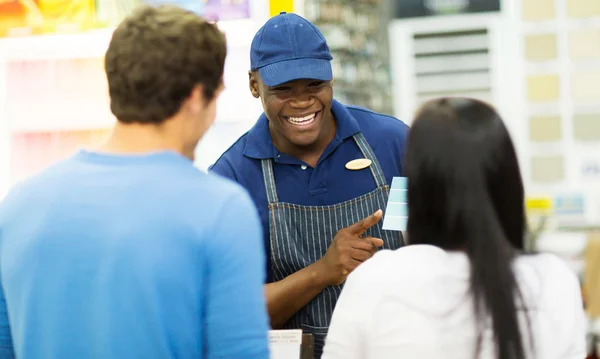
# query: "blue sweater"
{"type": "Point", "coordinates": [132, 257]}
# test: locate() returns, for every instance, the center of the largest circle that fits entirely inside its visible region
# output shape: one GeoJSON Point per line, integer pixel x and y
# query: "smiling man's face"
{"type": "Point", "coordinates": [298, 110]}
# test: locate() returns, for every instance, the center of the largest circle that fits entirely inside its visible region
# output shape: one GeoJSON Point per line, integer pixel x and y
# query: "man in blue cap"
{"type": "Point", "coordinates": [317, 170]}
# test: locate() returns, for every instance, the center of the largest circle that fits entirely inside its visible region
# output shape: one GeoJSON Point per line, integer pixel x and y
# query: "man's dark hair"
{"type": "Point", "coordinates": [155, 58]}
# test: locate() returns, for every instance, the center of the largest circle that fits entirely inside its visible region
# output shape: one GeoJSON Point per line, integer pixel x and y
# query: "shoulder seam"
{"type": "Point", "coordinates": [371, 112]}
{"type": "Point", "coordinates": [228, 148]}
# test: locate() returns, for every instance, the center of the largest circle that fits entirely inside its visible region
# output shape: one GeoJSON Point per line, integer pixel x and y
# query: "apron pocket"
{"type": "Point", "coordinates": [319, 334]}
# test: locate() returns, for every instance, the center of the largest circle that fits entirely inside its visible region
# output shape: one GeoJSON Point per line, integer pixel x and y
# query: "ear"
{"type": "Point", "coordinates": [253, 83]}
{"type": "Point", "coordinates": [196, 101]}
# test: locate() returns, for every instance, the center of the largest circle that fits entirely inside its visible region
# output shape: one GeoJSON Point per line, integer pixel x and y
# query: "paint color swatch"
{"type": "Point", "coordinates": [538, 10]}
{"type": "Point", "coordinates": [585, 85]}
{"type": "Point", "coordinates": [67, 93]}
{"type": "Point", "coordinates": [543, 88]}
{"type": "Point", "coordinates": [32, 152]}
{"type": "Point", "coordinates": [396, 213]}
{"type": "Point", "coordinates": [545, 169]}
{"type": "Point", "coordinates": [586, 127]}
{"type": "Point", "coordinates": [541, 47]}
{"type": "Point", "coordinates": [545, 128]}
{"type": "Point", "coordinates": [583, 8]}
{"type": "Point", "coordinates": [584, 44]}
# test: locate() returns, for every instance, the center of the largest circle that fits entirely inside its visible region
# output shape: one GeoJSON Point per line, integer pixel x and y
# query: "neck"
{"type": "Point", "coordinates": [142, 138]}
{"type": "Point", "coordinates": [308, 154]}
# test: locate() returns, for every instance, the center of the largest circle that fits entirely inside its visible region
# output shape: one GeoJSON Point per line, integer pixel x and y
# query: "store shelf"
{"type": "Point", "coordinates": [355, 33]}
{"type": "Point", "coordinates": [54, 97]}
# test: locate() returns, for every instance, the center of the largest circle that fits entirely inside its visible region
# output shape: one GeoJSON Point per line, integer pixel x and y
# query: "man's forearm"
{"type": "Point", "coordinates": [289, 295]}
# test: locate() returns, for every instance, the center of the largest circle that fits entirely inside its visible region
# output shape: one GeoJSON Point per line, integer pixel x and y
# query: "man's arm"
{"type": "Point", "coordinates": [236, 320]}
{"type": "Point", "coordinates": [346, 252]}
{"type": "Point", "coordinates": [289, 295]}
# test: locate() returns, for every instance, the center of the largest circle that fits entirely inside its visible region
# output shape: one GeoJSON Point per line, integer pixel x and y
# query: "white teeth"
{"type": "Point", "coordinates": [302, 120]}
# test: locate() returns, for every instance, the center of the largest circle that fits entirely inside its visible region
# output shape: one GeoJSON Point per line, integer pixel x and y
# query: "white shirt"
{"type": "Point", "coordinates": [415, 303]}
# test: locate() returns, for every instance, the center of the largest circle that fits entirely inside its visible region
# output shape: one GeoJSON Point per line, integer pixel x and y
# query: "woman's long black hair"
{"type": "Point", "coordinates": [465, 192]}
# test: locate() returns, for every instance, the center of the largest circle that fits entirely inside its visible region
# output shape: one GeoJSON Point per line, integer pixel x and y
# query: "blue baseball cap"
{"type": "Point", "coordinates": [288, 47]}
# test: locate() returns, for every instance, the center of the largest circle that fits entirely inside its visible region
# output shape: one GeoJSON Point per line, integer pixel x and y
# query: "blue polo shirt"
{"type": "Point", "coordinates": [329, 182]}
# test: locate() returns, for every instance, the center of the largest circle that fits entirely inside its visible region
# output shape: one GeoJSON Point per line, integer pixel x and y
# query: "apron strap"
{"type": "Point", "coordinates": [269, 179]}
{"type": "Point", "coordinates": [367, 151]}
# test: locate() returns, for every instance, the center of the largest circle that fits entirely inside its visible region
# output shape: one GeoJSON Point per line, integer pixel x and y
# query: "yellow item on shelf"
{"type": "Point", "coordinates": [277, 6]}
{"type": "Point", "coordinates": [542, 205]}
{"type": "Point", "coordinates": [591, 279]}
{"type": "Point", "coordinates": [19, 17]}
{"type": "Point", "coordinates": [67, 15]}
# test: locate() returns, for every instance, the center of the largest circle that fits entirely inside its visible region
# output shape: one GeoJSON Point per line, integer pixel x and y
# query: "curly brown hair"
{"type": "Point", "coordinates": [155, 58]}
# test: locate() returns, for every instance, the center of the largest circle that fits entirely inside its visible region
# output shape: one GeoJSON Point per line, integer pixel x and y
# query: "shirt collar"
{"type": "Point", "coordinates": [259, 144]}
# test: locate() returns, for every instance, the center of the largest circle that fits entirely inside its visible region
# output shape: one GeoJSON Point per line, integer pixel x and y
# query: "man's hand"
{"type": "Point", "coordinates": [348, 250]}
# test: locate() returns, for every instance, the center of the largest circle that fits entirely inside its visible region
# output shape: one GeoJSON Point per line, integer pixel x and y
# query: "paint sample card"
{"type": "Point", "coordinates": [396, 213]}
{"type": "Point", "coordinates": [584, 44]}
{"type": "Point", "coordinates": [586, 127]}
{"type": "Point", "coordinates": [538, 10]}
{"type": "Point", "coordinates": [584, 85]}
{"type": "Point", "coordinates": [545, 129]}
{"type": "Point", "coordinates": [541, 47]}
{"type": "Point", "coordinates": [543, 88]}
{"type": "Point", "coordinates": [583, 8]}
{"type": "Point", "coordinates": [284, 344]}
{"type": "Point", "coordinates": [546, 169]}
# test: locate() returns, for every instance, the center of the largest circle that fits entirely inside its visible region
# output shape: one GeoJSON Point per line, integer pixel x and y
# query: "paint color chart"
{"type": "Point", "coordinates": [396, 213]}
{"type": "Point", "coordinates": [34, 151]}
{"type": "Point", "coordinates": [54, 107]}
{"type": "Point", "coordinates": [58, 94]}
{"type": "Point", "coordinates": [28, 17]}
{"type": "Point", "coordinates": [562, 55]}
{"type": "Point", "coordinates": [25, 17]}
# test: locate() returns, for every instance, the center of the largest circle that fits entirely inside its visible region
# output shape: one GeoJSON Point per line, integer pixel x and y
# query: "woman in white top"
{"type": "Point", "coordinates": [463, 288]}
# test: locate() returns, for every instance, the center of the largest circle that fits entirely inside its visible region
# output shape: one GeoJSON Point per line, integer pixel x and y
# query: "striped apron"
{"type": "Point", "coordinates": [300, 235]}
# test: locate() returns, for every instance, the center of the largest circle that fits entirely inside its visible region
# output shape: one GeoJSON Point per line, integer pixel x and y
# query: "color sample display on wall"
{"type": "Point", "coordinates": [541, 47]}
{"type": "Point", "coordinates": [67, 93]}
{"type": "Point", "coordinates": [583, 8]}
{"type": "Point", "coordinates": [563, 95]}
{"type": "Point", "coordinates": [32, 152]}
{"type": "Point", "coordinates": [538, 10]}
{"type": "Point", "coordinates": [545, 129]}
{"type": "Point", "coordinates": [586, 127]}
{"type": "Point", "coordinates": [543, 88]}
{"type": "Point", "coordinates": [546, 169]}
{"type": "Point", "coordinates": [584, 85]}
{"type": "Point", "coordinates": [584, 44]}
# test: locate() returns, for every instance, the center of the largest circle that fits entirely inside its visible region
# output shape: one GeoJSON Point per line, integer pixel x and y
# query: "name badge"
{"type": "Point", "coordinates": [358, 164]}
